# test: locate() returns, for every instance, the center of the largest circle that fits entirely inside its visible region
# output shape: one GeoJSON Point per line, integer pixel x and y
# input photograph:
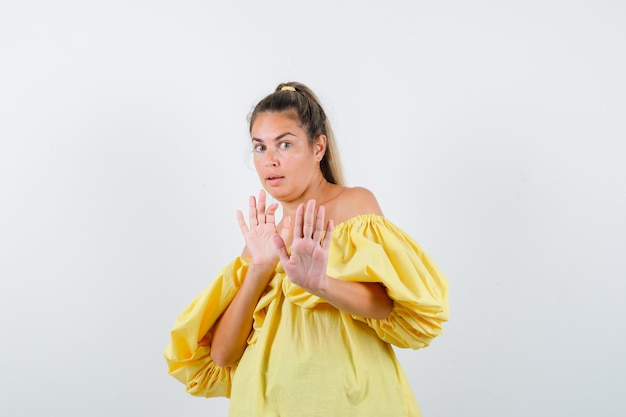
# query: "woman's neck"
{"type": "Point", "coordinates": [321, 191]}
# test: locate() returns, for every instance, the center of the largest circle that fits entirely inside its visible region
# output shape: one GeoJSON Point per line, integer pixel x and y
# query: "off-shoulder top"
{"type": "Point", "coordinates": [307, 358]}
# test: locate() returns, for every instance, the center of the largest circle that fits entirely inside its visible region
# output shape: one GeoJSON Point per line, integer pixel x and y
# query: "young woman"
{"type": "Point", "coordinates": [302, 323]}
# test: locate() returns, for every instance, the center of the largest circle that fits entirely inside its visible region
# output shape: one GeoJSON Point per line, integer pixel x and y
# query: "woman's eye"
{"type": "Point", "coordinates": [284, 145]}
{"type": "Point", "coordinates": [259, 148]}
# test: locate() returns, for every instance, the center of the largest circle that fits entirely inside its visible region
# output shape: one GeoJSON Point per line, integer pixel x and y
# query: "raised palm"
{"type": "Point", "coordinates": [260, 231]}
{"type": "Point", "coordinates": [307, 262]}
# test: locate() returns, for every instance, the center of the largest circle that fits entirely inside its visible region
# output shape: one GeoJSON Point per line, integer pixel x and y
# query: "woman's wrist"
{"type": "Point", "coordinates": [258, 275]}
{"type": "Point", "coordinates": [262, 266]}
{"type": "Point", "coordinates": [322, 287]}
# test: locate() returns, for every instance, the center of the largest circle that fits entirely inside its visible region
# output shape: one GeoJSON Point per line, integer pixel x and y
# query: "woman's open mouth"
{"type": "Point", "coordinates": [274, 180]}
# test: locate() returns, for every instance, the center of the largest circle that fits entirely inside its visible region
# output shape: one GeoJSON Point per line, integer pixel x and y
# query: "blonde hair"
{"type": "Point", "coordinates": [299, 98]}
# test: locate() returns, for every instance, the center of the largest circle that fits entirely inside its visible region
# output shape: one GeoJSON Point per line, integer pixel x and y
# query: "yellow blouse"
{"type": "Point", "coordinates": [306, 358]}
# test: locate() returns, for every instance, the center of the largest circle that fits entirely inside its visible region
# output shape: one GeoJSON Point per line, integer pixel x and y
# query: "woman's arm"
{"type": "Point", "coordinates": [306, 267]}
{"type": "Point", "coordinates": [364, 299]}
{"type": "Point", "coordinates": [230, 333]}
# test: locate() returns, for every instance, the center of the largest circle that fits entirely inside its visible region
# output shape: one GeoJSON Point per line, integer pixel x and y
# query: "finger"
{"type": "Point", "coordinates": [260, 210]}
{"type": "Point", "coordinates": [284, 232]}
{"type": "Point", "coordinates": [297, 230]}
{"type": "Point", "coordinates": [279, 244]}
{"type": "Point", "coordinates": [252, 211]}
{"type": "Point", "coordinates": [270, 216]}
{"type": "Point", "coordinates": [328, 234]}
{"type": "Point", "coordinates": [319, 225]}
{"type": "Point", "coordinates": [242, 223]}
{"type": "Point", "coordinates": [309, 219]}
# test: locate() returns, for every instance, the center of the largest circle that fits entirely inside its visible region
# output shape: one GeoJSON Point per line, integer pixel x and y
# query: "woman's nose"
{"type": "Point", "coordinates": [271, 158]}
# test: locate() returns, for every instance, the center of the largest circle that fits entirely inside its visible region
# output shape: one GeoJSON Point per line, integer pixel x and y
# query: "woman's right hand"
{"type": "Point", "coordinates": [260, 231]}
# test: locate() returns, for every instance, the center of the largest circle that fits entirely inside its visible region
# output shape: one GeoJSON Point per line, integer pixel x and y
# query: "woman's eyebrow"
{"type": "Point", "coordinates": [279, 137]}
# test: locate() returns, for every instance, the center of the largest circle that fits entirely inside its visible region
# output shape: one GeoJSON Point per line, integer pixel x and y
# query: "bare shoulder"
{"type": "Point", "coordinates": [355, 201]}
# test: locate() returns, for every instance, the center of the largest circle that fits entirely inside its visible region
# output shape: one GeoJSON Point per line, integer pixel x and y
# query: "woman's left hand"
{"type": "Point", "coordinates": [306, 265]}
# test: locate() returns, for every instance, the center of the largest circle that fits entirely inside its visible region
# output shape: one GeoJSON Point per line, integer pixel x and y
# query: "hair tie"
{"type": "Point", "coordinates": [287, 88]}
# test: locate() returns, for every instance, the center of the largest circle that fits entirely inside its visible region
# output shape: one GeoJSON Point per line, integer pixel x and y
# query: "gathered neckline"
{"type": "Point", "coordinates": [360, 217]}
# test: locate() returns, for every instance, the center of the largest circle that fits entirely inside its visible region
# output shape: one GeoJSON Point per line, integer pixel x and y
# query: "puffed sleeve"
{"type": "Point", "coordinates": [188, 353]}
{"type": "Point", "coordinates": [369, 248]}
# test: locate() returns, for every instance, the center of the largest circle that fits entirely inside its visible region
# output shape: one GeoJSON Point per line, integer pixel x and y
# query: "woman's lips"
{"type": "Point", "coordinates": [273, 181]}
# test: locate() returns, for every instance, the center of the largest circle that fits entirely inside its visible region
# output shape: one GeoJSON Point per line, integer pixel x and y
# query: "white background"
{"type": "Point", "coordinates": [492, 131]}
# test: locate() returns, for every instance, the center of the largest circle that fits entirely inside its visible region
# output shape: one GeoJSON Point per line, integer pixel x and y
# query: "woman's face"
{"type": "Point", "coordinates": [284, 160]}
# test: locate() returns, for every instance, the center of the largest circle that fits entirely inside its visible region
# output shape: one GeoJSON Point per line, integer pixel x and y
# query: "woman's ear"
{"type": "Point", "coordinates": [319, 148]}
